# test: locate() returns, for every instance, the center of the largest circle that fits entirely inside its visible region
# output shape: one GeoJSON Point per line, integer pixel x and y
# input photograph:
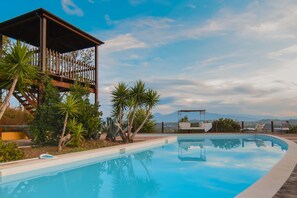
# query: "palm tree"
{"type": "Point", "coordinates": [16, 71]}
{"type": "Point", "coordinates": [69, 107]}
{"type": "Point", "coordinates": [119, 103]}
{"type": "Point", "coordinates": [151, 100]}
{"type": "Point", "coordinates": [127, 101]}
{"type": "Point", "coordinates": [136, 101]}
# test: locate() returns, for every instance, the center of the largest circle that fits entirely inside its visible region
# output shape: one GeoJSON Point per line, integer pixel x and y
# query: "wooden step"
{"type": "Point", "coordinates": [28, 100]}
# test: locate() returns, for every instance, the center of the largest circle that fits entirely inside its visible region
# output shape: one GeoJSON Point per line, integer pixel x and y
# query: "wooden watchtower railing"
{"type": "Point", "coordinates": [66, 67]}
{"type": "Point", "coordinates": [62, 67]}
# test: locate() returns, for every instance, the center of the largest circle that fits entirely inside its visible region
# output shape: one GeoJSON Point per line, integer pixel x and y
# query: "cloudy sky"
{"type": "Point", "coordinates": [225, 56]}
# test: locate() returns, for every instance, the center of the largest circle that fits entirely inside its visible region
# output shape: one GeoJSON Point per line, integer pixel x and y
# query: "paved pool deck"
{"type": "Point", "coordinates": [289, 189]}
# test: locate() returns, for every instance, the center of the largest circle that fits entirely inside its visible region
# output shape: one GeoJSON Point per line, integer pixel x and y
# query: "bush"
{"type": "Point", "coordinates": [9, 151]}
{"type": "Point", "coordinates": [149, 126]}
{"type": "Point", "coordinates": [16, 117]}
{"type": "Point", "coordinates": [47, 123]}
{"type": "Point", "coordinates": [77, 133]}
{"type": "Point", "coordinates": [293, 129]}
{"type": "Point", "coordinates": [184, 119]}
{"type": "Point", "coordinates": [89, 116]}
{"type": "Point", "coordinates": [225, 125]}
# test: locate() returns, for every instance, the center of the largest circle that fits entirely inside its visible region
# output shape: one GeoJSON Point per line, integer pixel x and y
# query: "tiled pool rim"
{"type": "Point", "coordinates": [267, 186]}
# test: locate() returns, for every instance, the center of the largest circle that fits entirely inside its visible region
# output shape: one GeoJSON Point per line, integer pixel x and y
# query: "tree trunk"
{"type": "Point", "coordinates": [63, 133]}
{"type": "Point", "coordinates": [6, 101]}
{"type": "Point", "coordinates": [131, 124]}
{"type": "Point", "coordinates": [122, 132]}
{"type": "Point", "coordinates": [139, 128]}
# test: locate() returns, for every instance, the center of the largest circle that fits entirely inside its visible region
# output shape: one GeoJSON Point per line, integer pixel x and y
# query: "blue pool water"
{"type": "Point", "coordinates": [191, 167]}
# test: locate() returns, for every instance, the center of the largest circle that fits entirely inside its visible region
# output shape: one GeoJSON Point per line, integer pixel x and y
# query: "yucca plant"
{"type": "Point", "coordinates": [126, 101]}
{"type": "Point", "coordinates": [77, 135]}
{"type": "Point", "coordinates": [69, 107]}
{"type": "Point", "coordinates": [16, 71]}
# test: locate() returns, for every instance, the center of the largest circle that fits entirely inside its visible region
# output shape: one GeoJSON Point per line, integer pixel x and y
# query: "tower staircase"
{"type": "Point", "coordinates": [27, 99]}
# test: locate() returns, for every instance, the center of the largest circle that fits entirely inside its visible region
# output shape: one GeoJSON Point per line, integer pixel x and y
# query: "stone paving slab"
{"type": "Point", "coordinates": [289, 189]}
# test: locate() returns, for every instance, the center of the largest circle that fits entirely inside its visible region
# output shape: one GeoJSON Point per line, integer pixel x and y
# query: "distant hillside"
{"type": "Point", "coordinates": [173, 117]}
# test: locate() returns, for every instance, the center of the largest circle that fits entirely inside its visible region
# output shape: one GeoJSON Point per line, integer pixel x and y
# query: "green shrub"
{"type": "Point", "coordinates": [14, 116]}
{"type": "Point", "coordinates": [225, 125]}
{"type": "Point", "coordinates": [293, 129]}
{"type": "Point", "coordinates": [48, 122]}
{"type": "Point", "coordinates": [184, 119]}
{"type": "Point", "coordinates": [77, 133]}
{"type": "Point", "coordinates": [89, 116]}
{"type": "Point", "coordinates": [9, 151]}
{"type": "Point", "coordinates": [149, 126]}
{"type": "Point", "coordinates": [77, 136]}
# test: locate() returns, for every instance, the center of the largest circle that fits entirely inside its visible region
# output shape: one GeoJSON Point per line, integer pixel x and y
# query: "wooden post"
{"type": "Point", "coordinates": [272, 127]}
{"type": "Point", "coordinates": [57, 63]}
{"type": "Point", "coordinates": [42, 57]}
{"type": "Point", "coordinates": [1, 51]}
{"type": "Point", "coordinates": [162, 127]}
{"type": "Point", "coordinates": [42, 48]}
{"type": "Point", "coordinates": [96, 75]}
{"type": "Point", "coordinates": [1, 44]}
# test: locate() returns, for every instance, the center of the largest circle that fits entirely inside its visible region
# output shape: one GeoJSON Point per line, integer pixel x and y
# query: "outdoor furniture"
{"type": "Point", "coordinates": [187, 126]}
{"type": "Point", "coordinates": [259, 127]}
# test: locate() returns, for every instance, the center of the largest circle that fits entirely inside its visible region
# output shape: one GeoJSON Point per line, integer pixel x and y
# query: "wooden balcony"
{"type": "Point", "coordinates": [66, 69]}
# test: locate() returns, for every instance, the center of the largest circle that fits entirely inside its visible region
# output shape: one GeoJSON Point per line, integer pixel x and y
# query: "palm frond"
{"type": "Point", "coordinates": [16, 63]}
{"type": "Point", "coordinates": [70, 105]}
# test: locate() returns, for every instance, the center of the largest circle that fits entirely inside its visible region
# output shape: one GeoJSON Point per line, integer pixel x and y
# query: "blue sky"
{"type": "Point", "coordinates": [225, 56]}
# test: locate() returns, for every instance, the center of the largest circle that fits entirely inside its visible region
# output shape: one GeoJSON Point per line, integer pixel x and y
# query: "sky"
{"type": "Point", "coordinates": [225, 56]}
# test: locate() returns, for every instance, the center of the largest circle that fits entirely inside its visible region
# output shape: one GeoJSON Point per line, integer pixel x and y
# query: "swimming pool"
{"type": "Point", "coordinates": [196, 166]}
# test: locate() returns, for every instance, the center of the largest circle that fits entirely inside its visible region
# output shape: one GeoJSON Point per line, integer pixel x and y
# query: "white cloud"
{"type": "Point", "coordinates": [123, 42]}
{"type": "Point", "coordinates": [267, 20]}
{"type": "Point", "coordinates": [136, 2]}
{"type": "Point", "coordinates": [291, 50]}
{"type": "Point", "coordinates": [108, 19]}
{"type": "Point", "coordinates": [165, 109]}
{"type": "Point", "coordinates": [71, 8]}
{"type": "Point", "coordinates": [254, 73]}
{"type": "Point", "coordinates": [193, 6]}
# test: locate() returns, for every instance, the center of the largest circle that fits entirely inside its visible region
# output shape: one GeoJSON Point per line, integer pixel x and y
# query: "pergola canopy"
{"type": "Point", "coordinates": [60, 35]}
{"type": "Point", "coordinates": [192, 111]}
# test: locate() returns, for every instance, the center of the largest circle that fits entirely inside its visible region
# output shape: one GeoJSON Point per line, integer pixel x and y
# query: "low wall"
{"type": "Point", "coordinates": [14, 135]}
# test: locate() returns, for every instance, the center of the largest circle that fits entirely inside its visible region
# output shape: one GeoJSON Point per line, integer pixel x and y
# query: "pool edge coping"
{"type": "Point", "coordinates": [22, 166]}
{"type": "Point", "coordinates": [269, 184]}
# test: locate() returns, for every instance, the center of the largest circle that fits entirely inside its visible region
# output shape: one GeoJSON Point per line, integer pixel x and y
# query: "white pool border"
{"type": "Point", "coordinates": [21, 167]}
{"type": "Point", "coordinates": [269, 184]}
{"type": "Point", "coordinates": [266, 186]}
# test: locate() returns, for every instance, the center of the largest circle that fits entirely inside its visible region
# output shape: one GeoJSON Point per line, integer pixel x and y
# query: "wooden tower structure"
{"type": "Point", "coordinates": [52, 38]}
